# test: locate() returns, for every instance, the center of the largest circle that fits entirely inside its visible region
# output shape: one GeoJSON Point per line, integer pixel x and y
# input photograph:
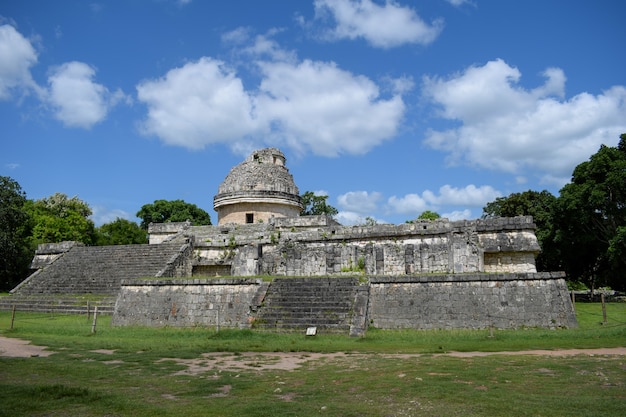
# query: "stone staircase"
{"type": "Point", "coordinates": [88, 275]}
{"type": "Point", "coordinates": [294, 304]}
{"type": "Point", "coordinates": [66, 304]}
{"type": "Point", "coordinates": [98, 269]}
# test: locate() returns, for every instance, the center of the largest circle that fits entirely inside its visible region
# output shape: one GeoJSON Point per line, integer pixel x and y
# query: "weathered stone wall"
{"type": "Point", "coordinates": [163, 232]}
{"type": "Point", "coordinates": [47, 253]}
{"type": "Point", "coordinates": [403, 302]}
{"type": "Point", "coordinates": [301, 222]}
{"type": "Point", "coordinates": [306, 246]}
{"type": "Point", "coordinates": [512, 262]}
{"type": "Point", "coordinates": [179, 264]}
{"type": "Point", "coordinates": [470, 301]}
{"type": "Point", "coordinates": [184, 303]}
{"type": "Point", "coordinates": [383, 257]}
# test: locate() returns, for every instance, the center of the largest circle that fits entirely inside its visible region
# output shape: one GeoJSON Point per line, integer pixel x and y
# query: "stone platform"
{"type": "Point", "coordinates": [350, 304]}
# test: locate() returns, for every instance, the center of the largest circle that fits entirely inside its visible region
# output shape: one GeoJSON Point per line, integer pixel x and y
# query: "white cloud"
{"type": "Point", "coordinates": [467, 196]}
{"type": "Point", "coordinates": [360, 202]}
{"type": "Point", "coordinates": [266, 47]}
{"type": "Point", "coordinates": [470, 195]}
{"type": "Point", "coordinates": [237, 36]}
{"type": "Point", "coordinates": [356, 206]}
{"type": "Point", "coordinates": [307, 106]}
{"type": "Point", "coordinates": [17, 55]}
{"type": "Point", "coordinates": [508, 128]}
{"type": "Point", "coordinates": [458, 3]}
{"type": "Point", "coordinates": [409, 204]}
{"type": "Point", "coordinates": [317, 106]}
{"type": "Point", "coordinates": [350, 218]}
{"type": "Point", "coordinates": [249, 48]}
{"type": "Point", "coordinates": [320, 193]}
{"type": "Point", "coordinates": [383, 26]}
{"type": "Point", "coordinates": [458, 215]}
{"type": "Point", "coordinates": [400, 85]}
{"type": "Point", "coordinates": [201, 103]}
{"type": "Point", "coordinates": [76, 99]}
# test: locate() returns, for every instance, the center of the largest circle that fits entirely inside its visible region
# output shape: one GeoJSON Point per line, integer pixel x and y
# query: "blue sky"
{"type": "Point", "coordinates": [390, 108]}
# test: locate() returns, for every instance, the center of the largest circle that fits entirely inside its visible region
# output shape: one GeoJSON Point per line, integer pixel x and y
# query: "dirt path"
{"type": "Point", "coordinates": [11, 347]}
{"type": "Point", "coordinates": [18, 348]}
{"type": "Point", "coordinates": [542, 352]}
{"type": "Point", "coordinates": [288, 361]}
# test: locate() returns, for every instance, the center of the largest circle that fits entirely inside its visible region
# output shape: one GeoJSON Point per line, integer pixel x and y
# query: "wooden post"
{"type": "Point", "coordinates": [12, 316]}
{"type": "Point", "coordinates": [88, 311]}
{"type": "Point", "coordinates": [574, 302]}
{"type": "Point", "coordinates": [603, 309]}
{"type": "Point", "coordinates": [95, 319]}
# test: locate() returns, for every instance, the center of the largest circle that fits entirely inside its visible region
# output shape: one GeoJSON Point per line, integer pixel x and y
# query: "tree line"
{"type": "Point", "coordinates": [582, 231]}
{"type": "Point", "coordinates": [25, 223]}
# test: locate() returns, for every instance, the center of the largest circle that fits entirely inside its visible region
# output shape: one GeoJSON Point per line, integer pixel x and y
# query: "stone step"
{"type": "Point", "coordinates": [301, 322]}
{"type": "Point", "coordinates": [304, 321]}
{"type": "Point", "coordinates": [321, 301]}
{"type": "Point", "coordinates": [291, 326]}
{"type": "Point", "coordinates": [99, 269]}
{"type": "Point", "coordinates": [313, 293]}
{"type": "Point", "coordinates": [299, 303]}
{"type": "Point", "coordinates": [298, 307]}
{"type": "Point", "coordinates": [61, 305]}
{"type": "Point", "coordinates": [63, 309]}
{"type": "Point", "coordinates": [305, 312]}
{"type": "Point", "coordinates": [70, 303]}
{"type": "Point", "coordinates": [315, 282]}
{"type": "Point", "coordinates": [317, 294]}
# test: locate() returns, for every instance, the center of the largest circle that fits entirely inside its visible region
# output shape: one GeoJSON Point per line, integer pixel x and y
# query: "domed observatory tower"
{"type": "Point", "coordinates": [257, 189]}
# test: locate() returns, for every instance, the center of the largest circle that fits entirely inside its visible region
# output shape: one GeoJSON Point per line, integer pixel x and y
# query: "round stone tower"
{"type": "Point", "coordinates": [257, 189]}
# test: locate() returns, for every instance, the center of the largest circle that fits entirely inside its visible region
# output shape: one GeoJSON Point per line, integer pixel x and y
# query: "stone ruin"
{"type": "Point", "coordinates": [317, 246]}
{"type": "Point", "coordinates": [264, 266]}
{"type": "Point", "coordinates": [260, 232]}
{"type": "Point", "coordinates": [258, 189]}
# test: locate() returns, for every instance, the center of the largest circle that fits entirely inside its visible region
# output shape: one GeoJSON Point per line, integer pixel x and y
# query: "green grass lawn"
{"type": "Point", "coordinates": [370, 380]}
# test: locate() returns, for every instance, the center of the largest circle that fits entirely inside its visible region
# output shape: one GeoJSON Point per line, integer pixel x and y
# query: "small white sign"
{"type": "Point", "coordinates": [311, 331]}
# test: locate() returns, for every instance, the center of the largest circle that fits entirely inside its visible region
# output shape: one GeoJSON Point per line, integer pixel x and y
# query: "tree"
{"type": "Point", "coordinates": [120, 232]}
{"type": "Point", "coordinates": [425, 215]}
{"type": "Point", "coordinates": [15, 253]}
{"type": "Point", "coordinates": [370, 221]}
{"type": "Point", "coordinates": [539, 205]}
{"type": "Point", "coordinates": [163, 211]}
{"type": "Point", "coordinates": [59, 218]}
{"type": "Point", "coordinates": [316, 205]}
{"type": "Point", "coordinates": [591, 216]}
{"type": "Point", "coordinates": [428, 215]}
{"type": "Point", "coordinates": [617, 250]}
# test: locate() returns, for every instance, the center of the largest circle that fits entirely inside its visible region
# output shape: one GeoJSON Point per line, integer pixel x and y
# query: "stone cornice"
{"type": "Point", "coordinates": [256, 197]}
